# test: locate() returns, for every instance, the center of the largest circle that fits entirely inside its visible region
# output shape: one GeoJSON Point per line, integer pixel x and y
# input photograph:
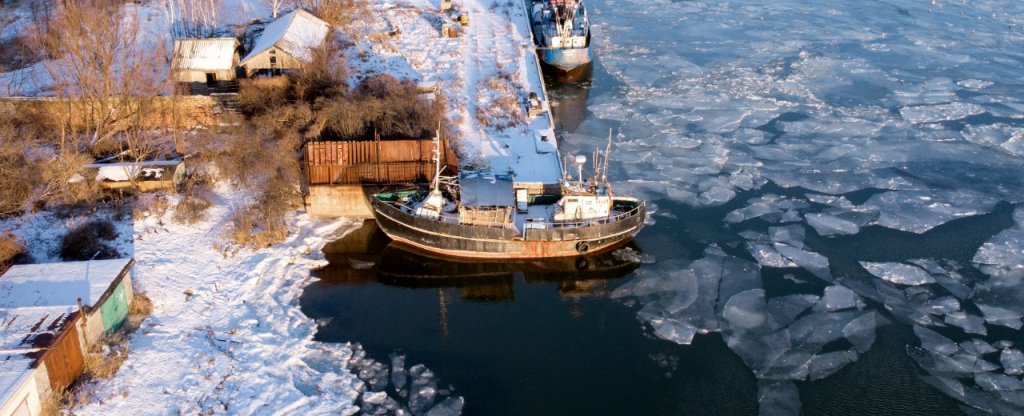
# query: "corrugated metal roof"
{"type": "Point", "coordinates": [52, 284]}
{"type": "Point", "coordinates": [215, 54]}
{"type": "Point", "coordinates": [486, 190]}
{"type": "Point", "coordinates": [14, 369]}
{"type": "Point", "coordinates": [295, 33]}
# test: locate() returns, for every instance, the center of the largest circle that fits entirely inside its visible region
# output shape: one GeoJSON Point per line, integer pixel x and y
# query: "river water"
{"type": "Point", "coordinates": [836, 227]}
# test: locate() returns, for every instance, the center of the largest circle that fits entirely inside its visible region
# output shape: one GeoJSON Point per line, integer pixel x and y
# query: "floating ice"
{"type": "Point", "coordinates": [920, 211]}
{"type": "Point", "coordinates": [946, 276]}
{"type": "Point", "coordinates": [791, 235]}
{"type": "Point", "coordinates": [785, 309]}
{"type": "Point", "coordinates": [1003, 255]}
{"type": "Point", "coordinates": [971, 324]}
{"type": "Point", "coordinates": [861, 332]}
{"type": "Point", "coordinates": [398, 374]}
{"type": "Point", "coordinates": [942, 306]}
{"type": "Point", "coordinates": [976, 347]}
{"type": "Point", "coordinates": [837, 298]}
{"type": "Point", "coordinates": [932, 341]}
{"type": "Point", "coordinates": [1012, 361]}
{"type": "Point", "coordinates": [813, 262]}
{"type": "Point", "coordinates": [672, 330]}
{"type": "Point", "coordinates": [828, 225]}
{"type": "Point", "coordinates": [1001, 136]}
{"type": "Point", "coordinates": [422, 390]}
{"type": "Point", "coordinates": [991, 382]}
{"type": "Point", "coordinates": [777, 398]}
{"type": "Point", "coordinates": [940, 112]}
{"type": "Point", "coordinates": [899, 273]}
{"type": "Point", "coordinates": [746, 310]}
{"type": "Point", "coordinates": [824, 365]}
{"type": "Point", "coordinates": [767, 256]}
{"type": "Point", "coordinates": [451, 406]}
{"type": "Point", "coordinates": [1001, 316]}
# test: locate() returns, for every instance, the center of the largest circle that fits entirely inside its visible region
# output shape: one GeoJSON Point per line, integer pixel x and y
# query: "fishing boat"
{"type": "Point", "coordinates": [561, 30]}
{"type": "Point", "coordinates": [481, 214]}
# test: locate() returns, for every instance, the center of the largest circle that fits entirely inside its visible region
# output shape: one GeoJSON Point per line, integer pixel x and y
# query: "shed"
{"type": "Point", "coordinates": [287, 43]}
{"type": "Point", "coordinates": [205, 60]}
{"type": "Point", "coordinates": [50, 314]}
{"type": "Point", "coordinates": [42, 352]}
{"type": "Point", "coordinates": [104, 286]}
{"type": "Point", "coordinates": [486, 199]}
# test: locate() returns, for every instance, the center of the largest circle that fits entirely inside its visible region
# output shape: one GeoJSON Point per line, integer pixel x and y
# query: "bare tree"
{"type": "Point", "coordinates": [101, 67]}
{"type": "Point", "coordinates": [336, 12]}
{"type": "Point", "coordinates": [276, 5]}
{"type": "Point", "coordinates": [192, 18]}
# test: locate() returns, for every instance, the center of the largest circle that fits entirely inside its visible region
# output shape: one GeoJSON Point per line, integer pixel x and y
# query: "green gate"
{"type": "Point", "coordinates": [115, 309]}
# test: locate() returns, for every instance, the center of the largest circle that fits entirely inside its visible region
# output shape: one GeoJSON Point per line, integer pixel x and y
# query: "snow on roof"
{"type": "Point", "coordinates": [53, 284]}
{"type": "Point", "coordinates": [28, 329]}
{"type": "Point", "coordinates": [14, 369]}
{"type": "Point", "coordinates": [295, 33]}
{"type": "Point", "coordinates": [486, 190]}
{"type": "Point", "coordinates": [215, 54]}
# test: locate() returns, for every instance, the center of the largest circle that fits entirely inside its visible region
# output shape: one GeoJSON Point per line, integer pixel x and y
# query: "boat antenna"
{"type": "Point", "coordinates": [437, 157]}
{"type": "Point", "coordinates": [607, 155]}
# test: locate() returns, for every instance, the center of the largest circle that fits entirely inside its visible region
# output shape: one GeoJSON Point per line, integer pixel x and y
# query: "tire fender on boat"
{"type": "Point", "coordinates": [582, 247]}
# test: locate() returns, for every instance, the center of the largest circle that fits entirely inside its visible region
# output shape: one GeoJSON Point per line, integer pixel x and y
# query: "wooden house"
{"type": "Point", "coordinates": [51, 314]}
{"type": "Point", "coordinates": [205, 63]}
{"type": "Point", "coordinates": [286, 43]}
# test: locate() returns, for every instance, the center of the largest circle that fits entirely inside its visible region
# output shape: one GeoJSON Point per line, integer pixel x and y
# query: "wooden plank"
{"type": "Point", "coordinates": [64, 361]}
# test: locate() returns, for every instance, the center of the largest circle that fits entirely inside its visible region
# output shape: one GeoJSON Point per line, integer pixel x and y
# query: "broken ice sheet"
{"type": "Point", "coordinates": [899, 273]}
{"type": "Point", "coordinates": [992, 382]}
{"type": "Point", "coordinates": [1001, 316]}
{"type": "Point", "coordinates": [861, 331]}
{"type": "Point", "coordinates": [1003, 254]}
{"type": "Point", "coordinates": [827, 225]}
{"type": "Point", "coordinates": [1012, 361]}
{"type": "Point", "coordinates": [813, 262]}
{"type": "Point", "coordinates": [971, 324]}
{"type": "Point", "coordinates": [777, 398]}
{"type": "Point", "coordinates": [785, 309]}
{"type": "Point", "coordinates": [824, 365]}
{"type": "Point", "coordinates": [934, 342]}
{"type": "Point", "coordinates": [920, 211]}
{"type": "Point", "coordinates": [837, 298]}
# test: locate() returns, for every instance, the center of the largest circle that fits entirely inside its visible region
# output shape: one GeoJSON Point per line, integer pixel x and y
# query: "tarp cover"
{"type": "Point", "coordinates": [486, 190]}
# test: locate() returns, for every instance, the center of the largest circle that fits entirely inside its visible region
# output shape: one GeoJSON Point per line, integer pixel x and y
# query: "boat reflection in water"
{"type": "Point", "coordinates": [568, 93]}
{"type": "Point", "coordinates": [366, 256]}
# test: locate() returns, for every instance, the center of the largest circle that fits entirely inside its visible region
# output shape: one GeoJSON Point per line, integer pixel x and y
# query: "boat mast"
{"type": "Point", "coordinates": [436, 154]}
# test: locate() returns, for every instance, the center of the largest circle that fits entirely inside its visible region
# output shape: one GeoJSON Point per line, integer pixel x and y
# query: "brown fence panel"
{"type": "Point", "coordinates": [373, 162]}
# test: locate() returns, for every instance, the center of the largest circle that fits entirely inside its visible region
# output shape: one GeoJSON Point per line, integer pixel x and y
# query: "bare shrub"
{"type": "Point", "coordinates": [87, 242]}
{"type": "Point", "coordinates": [53, 404]}
{"type": "Point", "coordinates": [106, 356]}
{"type": "Point", "coordinates": [339, 13]}
{"type": "Point", "coordinates": [196, 198]}
{"type": "Point", "coordinates": [149, 204]}
{"type": "Point", "coordinates": [10, 250]}
{"type": "Point", "coordinates": [383, 105]}
{"type": "Point", "coordinates": [141, 305]}
{"type": "Point", "coordinates": [256, 96]}
{"type": "Point", "coordinates": [323, 76]}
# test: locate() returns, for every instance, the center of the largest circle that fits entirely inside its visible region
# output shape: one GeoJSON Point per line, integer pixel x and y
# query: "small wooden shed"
{"type": "Point", "coordinates": [51, 314]}
{"type": "Point", "coordinates": [205, 61]}
{"type": "Point", "coordinates": [286, 43]}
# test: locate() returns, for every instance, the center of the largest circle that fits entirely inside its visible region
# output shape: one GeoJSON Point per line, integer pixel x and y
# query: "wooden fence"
{"type": "Point", "coordinates": [378, 162]}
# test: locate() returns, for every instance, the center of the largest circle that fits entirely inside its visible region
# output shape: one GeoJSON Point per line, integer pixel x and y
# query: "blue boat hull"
{"type": "Point", "coordinates": [567, 59]}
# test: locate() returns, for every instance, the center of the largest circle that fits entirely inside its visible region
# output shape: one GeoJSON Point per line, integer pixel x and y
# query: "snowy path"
{"type": "Point", "coordinates": [239, 342]}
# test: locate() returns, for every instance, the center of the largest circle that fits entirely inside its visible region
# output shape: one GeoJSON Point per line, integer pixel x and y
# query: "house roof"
{"type": "Point", "coordinates": [295, 33]}
{"type": "Point", "coordinates": [31, 328]}
{"type": "Point", "coordinates": [14, 369]}
{"type": "Point", "coordinates": [486, 190]}
{"type": "Point", "coordinates": [215, 54]}
{"type": "Point", "coordinates": [55, 284]}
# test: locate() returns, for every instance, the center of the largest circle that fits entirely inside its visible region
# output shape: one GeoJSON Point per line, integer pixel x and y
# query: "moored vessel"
{"type": "Point", "coordinates": [483, 215]}
{"type": "Point", "coordinates": [561, 30]}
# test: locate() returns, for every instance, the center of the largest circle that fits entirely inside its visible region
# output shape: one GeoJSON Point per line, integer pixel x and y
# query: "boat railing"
{"type": "Point", "coordinates": [597, 221]}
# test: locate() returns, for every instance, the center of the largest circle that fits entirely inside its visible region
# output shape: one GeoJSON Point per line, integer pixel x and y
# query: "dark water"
{"type": "Point", "coordinates": [538, 338]}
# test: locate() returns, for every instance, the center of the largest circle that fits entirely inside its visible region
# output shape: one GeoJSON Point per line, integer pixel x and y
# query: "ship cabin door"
{"type": "Point", "coordinates": [522, 201]}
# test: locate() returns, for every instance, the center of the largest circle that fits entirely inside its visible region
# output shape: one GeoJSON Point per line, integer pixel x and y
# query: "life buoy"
{"type": "Point", "coordinates": [582, 247]}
